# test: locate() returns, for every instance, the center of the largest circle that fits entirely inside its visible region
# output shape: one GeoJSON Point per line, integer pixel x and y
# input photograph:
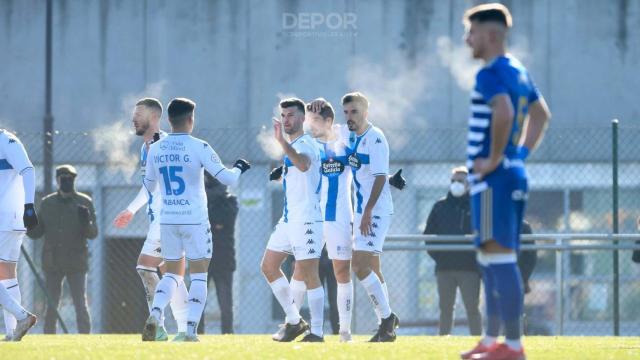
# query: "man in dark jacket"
{"type": "Point", "coordinates": [223, 211]}
{"type": "Point", "coordinates": [455, 269]}
{"type": "Point", "coordinates": [66, 219]}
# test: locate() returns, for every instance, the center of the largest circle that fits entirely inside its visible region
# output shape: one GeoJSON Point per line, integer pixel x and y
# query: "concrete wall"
{"type": "Point", "coordinates": [234, 57]}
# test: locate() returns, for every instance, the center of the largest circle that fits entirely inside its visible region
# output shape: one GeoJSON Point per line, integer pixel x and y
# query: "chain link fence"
{"type": "Point", "coordinates": [571, 192]}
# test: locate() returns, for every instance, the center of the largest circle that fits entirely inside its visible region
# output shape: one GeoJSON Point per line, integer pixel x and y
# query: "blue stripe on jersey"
{"type": "Point", "coordinates": [286, 210]}
{"type": "Point", "coordinates": [4, 165]}
{"type": "Point", "coordinates": [364, 160]}
{"type": "Point", "coordinates": [333, 184]}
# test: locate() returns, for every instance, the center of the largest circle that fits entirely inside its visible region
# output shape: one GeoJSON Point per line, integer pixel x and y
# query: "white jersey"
{"type": "Point", "coordinates": [13, 161]}
{"type": "Point", "coordinates": [155, 197]}
{"type": "Point", "coordinates": [370, 158]}
{"type": "Point", "coordinates": [335, 192]}
{"type": "Point", "coordinates": [302, 189]}
{"type": "Point", "coordinates": [176, 164]}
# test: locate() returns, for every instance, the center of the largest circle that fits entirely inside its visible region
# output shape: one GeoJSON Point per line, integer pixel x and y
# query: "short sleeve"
{"type": "Point", "coordinates": [534, 93]}
{"type": "Point", "coordinates": [303, 146]}
{"type": "Point", "coordinates": [16, 154]}
{"type": "Point", "coordinates": [378, 155]}
{"type": "Point", "coordinates": [489, 84]}
{"type": "Point", "coordinates": [210, 160]}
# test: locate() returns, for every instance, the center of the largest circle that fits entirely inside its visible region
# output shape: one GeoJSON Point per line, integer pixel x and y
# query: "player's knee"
{"type": "Point", "coordinates": [342, 272]}
{"type": "Point", "coordinates": [268, 269]}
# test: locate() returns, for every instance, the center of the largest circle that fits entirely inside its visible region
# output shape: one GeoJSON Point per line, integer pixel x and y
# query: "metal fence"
{"type": "Point", "coordinates": [571, 194]}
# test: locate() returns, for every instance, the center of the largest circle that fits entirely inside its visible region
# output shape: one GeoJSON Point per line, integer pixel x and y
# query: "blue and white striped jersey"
{"type": "Point", "coordinates": [335, 192]}
{"type": "Point", "coordinates": [13, 161]}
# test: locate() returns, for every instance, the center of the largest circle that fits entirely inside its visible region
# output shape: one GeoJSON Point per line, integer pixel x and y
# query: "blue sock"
{"type": "Point", "coordinates": [491, 302]}
{"type": "Point", "coordinates": [510, 295]}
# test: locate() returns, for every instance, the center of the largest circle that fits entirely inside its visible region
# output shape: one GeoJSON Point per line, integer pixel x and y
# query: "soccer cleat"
{"type": "Point", "coordinates": [191, 338]}
{"type": "Point", "coordinates": [280, 333]}
{"type": "Point", "coordinates": [23, 326]}
{"type": "Point", "coordinates": [6, 338]}
{"type": "Point", "coordinates": [478, 349]}
{"type": "Point", "coordinates": [387, 329]}
{"type": "Point", "coordinates": [150, 329]}
{"type": "Point", "coordinates": [500, 352]}
{"type": "Point", "coordinates": [179, 337]}
{"type": "Point", "coordinates": [310, 337]}
{"type": "Point", "coordinates": [291, 332]}
{"type": "Point", "coordinates": [161, 334]}
{"type": "Point", "coordinates": [345, 337]}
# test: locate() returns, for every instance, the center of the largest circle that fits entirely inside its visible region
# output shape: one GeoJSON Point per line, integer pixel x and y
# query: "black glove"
{"type": "Point", "coordinates": [242, 164]}
{"type": "Point", "coordinates": [397, 181]}
{"type": "Point", "coordinates": [84, 214]}
{"type": "Point", "coordinates": [275, 174]}
{"type": "Point", "coordinates": [636, 254]}
{"type": "Point", "coordinates": [30, 218]}
{"type": "Point", "coordinates": [156, 137]}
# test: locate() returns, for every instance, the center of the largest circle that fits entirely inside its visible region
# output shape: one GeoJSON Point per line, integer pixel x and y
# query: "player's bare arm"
{"type": "Point", "coordinates": [536, 125]}
{"type": "Point", "coordinates": [300, 161]}
{"type": "Point", "coordinates": [365, 224]}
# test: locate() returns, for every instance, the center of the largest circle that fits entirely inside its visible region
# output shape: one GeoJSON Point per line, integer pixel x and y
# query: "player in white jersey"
{"type": "Point", "coordinates": [299, 231]}
{"type": "Point", "coordinates": [146, 121]}
{"type": "Point", "coordinates": [369, 161]}
{"type": "Point", "coordinates": [176, 164]}
{"type": "Point", "coordinates": [17, 192]}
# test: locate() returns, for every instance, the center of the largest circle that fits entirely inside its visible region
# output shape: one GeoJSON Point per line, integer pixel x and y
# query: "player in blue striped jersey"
{"type": "Point", "coordinates": [508, 119]}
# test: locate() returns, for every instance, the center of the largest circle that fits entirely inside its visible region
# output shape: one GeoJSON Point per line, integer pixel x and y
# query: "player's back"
{"type": "Point", "coordinates": [504, 75]}
{"type": "Point", "coordinates": [13, 160]}
{"type": "Point", "coordinates": [177, 159]}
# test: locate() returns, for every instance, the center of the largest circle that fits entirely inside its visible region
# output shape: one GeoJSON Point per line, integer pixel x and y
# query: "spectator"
{"type": "Point", "coordinates": [451, 215]}
{"type": "Point", "coordinates": [67, 220]}
{"type": "Point", "coordinates": [223, 211]}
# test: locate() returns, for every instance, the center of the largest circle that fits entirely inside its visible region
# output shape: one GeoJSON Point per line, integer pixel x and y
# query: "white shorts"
{"type": "Point", "coordinates": [374, 241]}
{"type": "Point", "coordinates": [10, 242]}
{"type": "Point", "coordinates": [338, 236]}
{"type": "Point", "coordinates": [151, 245]}
{"type": "Point", "coordinates": [193, 241]}
{"type": "Point", "coordinates": [302, 240]}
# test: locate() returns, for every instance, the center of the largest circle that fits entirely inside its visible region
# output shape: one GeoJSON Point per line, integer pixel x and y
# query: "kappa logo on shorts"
{"type": "Point", "coordinates": [309, 232]}
{"type": "Point", "coordinates": [194, 300]}
{"type": "Point", "coordinates": [158, 250]}
{"type": "Point", "coordinates": [374, 225]}
{"type": "Point", "coordinates": [376, 217]}
{"type": "Point", "coordinates": [370, 243]}
{"type": "Point", "coordinates": [310, 242]}
{"type": "Point", "coordinates": [372, 234]}
{"type": "Point", "coordinates": [159, 291]}
{"type": "Point", "coordinates": [311, 251]}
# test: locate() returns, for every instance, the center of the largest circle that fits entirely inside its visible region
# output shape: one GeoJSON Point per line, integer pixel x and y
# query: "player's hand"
{"type": "Point", "coordinates": [123, 219]}
{"type": "Point", "coordinates": [277, 130]}
{"type": "Point", "coordinates": [397, 181]}
{"type": "Point", "coordinates": [243, 165]}
{"type": "Point", "coordinates": [30, 218]}
{"type": "Point", "coordinates": [276, 173]}
{"type": "Point", "coordinates": [484, 166]}
{"type": "Point", "coordinates": [84, 214]}
{"type": "Point", "coordinates": [317, 105]}
{"type": "Point", "coordinates": [365, 223]}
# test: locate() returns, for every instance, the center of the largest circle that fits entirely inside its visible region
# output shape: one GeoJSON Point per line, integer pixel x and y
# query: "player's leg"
{"type": "Point", "coordinates": [17, 320]}
{"type": "Point", "coordinates": [307, 243]}
{"type": "Point", "coordinates": [179, 301]}
{"type": "Point", "coordinates": [298, 286]}
{"type": "Point", "coordinates": [377, 268]}
{"type": "Point", "coordinates": [340, 250]}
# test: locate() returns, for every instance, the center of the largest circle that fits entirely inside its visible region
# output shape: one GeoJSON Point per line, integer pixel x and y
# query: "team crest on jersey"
{"type": "Point", "coordinates": [354, 161]}
{"type": "Point", "coordinates": [332, 168]}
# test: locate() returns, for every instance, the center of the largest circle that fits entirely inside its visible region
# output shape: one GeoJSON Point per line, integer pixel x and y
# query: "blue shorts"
{"type": "Point", "coordinates": [498, 204]}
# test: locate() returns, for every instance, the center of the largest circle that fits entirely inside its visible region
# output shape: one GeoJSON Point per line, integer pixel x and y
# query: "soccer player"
{"type": "Point", "coordinates": [299, 231]}
{"type": "Point", "coordinates": [177, 163]}
{"type": "Point", "coordinates": [17, 192]}
{"type": "Point", "coordinates": [146, 121]}
{"type": "Point", "coordinates": [508, 120]}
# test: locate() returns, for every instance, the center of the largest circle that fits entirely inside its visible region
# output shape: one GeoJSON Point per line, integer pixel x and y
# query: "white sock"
{"type": "Point", "coordinates": [163, 294]}
{"type": "Point", "coordinates": [345, 304]}
{"type": "Point", "coordinates": [197, 300]}
{"type": "Point", "coordinates": [282, 292]}
{"type": "Point", "coordinates": [373, 286]}
{"type": "Point", "coordinates": [488, 340]}
{"type": "Point", "coordinates": [150, 279]}
{"type": "Point", "coordinates": [514, 344]}
{"type": "Point", "coordinates": [14, 290]}
{"type": "Point", "coordinates": [386, 292]}
{"type": "Point", "coordinates": [298, 289]}
{"type": "Point", "coordinates": [180, 306]}
{"type": "Point", "coordinates": [316, 310]}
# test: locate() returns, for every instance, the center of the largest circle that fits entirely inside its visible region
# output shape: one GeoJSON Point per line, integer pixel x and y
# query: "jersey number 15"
{"type": "Point", "coordinates": [170, 176]}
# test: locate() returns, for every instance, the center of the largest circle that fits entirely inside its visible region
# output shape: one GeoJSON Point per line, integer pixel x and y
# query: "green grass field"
{"type": "Point", "coordinates": [262, 347]}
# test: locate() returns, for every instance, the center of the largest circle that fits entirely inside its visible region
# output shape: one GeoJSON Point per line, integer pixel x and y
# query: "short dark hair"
{"type": "Point", "coordinates": [493, 12]}
{"type": "Point", "coordinates": [356, 97]}
{"type": "Point", "coordinates": [291, 102]}
{"type": "Point", "coordinates": [326, 111]}
{"type": "Point", "coordinates": [151, 103]}
{"type": "Point", "coordinates": [179, 110]}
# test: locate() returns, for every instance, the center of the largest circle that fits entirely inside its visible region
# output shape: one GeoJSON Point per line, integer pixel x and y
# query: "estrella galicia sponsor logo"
{"type": "Point", "coordinates": [332, 168]}
{"type": "Point", "coordinates": [354, 161]}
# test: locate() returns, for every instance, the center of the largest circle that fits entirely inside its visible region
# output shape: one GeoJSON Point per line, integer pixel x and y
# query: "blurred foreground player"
{"type": "Point", "coordinates": [177, 163]}
{"type": "Point", "coordinates": [508, 119]}
{"type": "Point", "coordinates": [17, 214]}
